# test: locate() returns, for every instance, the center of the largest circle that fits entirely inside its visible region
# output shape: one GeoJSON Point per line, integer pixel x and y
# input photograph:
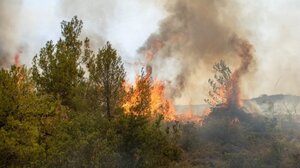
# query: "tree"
{"type": "Point", "coordinates": [58, 68]}
{"type": "Point", "coordinates": [139, 98]}
{"type": "Point", "coordinates": [220, 84]}
{"type": "Point", "coordinates": [107, 75]}
{"type": "Point", "coordinates": [26, 119]}
{"type": "Point", "coordinates": [141, 134]}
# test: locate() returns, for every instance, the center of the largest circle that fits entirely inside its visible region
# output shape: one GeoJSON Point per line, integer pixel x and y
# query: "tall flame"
{"type": "Point", "coordinates": [228, 93]}
{"type": "Point", "coordinates": [159, 103]}
{"type": "Point", "coordinates": [245, 51]}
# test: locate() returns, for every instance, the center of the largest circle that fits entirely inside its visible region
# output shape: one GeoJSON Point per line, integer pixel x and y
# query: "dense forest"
{"type": "Point", "coordinates": [68, 110]}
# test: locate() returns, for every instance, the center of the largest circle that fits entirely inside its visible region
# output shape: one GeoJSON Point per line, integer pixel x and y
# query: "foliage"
{"type": "Point", "coordinates": [107, 75]}
{"type": "Point", "coordinates": [57, 70]}
{"type": "Point", "coordinates": [26, 119]}
{"type": "Point", "coordinates": [142, 135]}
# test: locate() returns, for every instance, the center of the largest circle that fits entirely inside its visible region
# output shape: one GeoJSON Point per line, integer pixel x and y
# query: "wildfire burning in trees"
{"type": "Point", "coordinates": [20, 75]}
{"type": "Point", "coordinates": [17, 58]}
{"type": "Point", "coordinates": [194, 34]}
{"type": "Point", "coordinates": [226, 88]}
{"type": "Point", "coordinates": [159, 104]}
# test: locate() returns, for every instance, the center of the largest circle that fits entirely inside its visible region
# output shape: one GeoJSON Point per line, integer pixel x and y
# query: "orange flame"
{"type": "Point", "coordinates": [20, 75]}
{"type": "Point", "coordinates": [17, 59]}
{"type": "Point", "coordinates": [245, 52]}
{"type": "Point", "coordinates": [159, 104]}
{"type": "Point", "coordinates": [228, 95]}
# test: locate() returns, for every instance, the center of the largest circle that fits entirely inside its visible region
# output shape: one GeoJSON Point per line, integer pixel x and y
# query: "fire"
{"type": "Point", "coordinates": [189, 116]}
{"type": "Point", "coordinates": [20, 75]}
{"type": "Point", "coordinates": [226, 91]}
{"type": "Point", "coordinates": [227, 95]}
{"type": "Point", "coordinates": [245, 51]}
{"type": "Point", "coordinates": [159, 104]}
{"type": "Point", "coordinates": [219, 96]}
{"type": "Point", "coordinates": [234, 93]}
{"type": "Point", "coordinates": [17, 59]}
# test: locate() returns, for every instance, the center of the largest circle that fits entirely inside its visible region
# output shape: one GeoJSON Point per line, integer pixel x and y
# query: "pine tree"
{"type": "Point", "coordinates": [58, 67]}
{"type": "Point", "coordinates": [107, 75]}
{"type": "Point", "coordinates": [219, 84]}
{"type": "Point", "coordinates": [26, 119]}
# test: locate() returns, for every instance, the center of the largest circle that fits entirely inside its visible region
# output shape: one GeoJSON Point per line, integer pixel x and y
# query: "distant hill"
{"type": "Point", "coordinates": [275, 98]}
{"type": "Point", "coordinates": [281, 102]}
{"type": "Point", "coordinates": [276, 104]}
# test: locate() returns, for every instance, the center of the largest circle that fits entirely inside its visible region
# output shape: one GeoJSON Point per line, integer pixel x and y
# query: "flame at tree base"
{"type": "Point", "coordinates": [226, 95]}
{"type": "Point", "coordinates": [159, 104]}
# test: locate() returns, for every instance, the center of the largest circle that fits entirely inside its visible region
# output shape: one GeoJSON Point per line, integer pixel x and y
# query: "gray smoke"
{"type": "Point", "coordinates": [96, 15]}
{"type": "Point", "coordinates": [9, 17]}
{"type": "Point", "coordinates": [195, 35]}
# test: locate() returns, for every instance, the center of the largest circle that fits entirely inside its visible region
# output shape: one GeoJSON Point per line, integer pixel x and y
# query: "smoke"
{"type": "Point", "coordinates": [188, 41]}
{"type": "Point", "coordinates": [245, 51]}
{"type": "Point", "coordinates": [276, 38]}
{"type": "Point", "coordinates": [94, 13]}
{"type": "Point", "coordinates": [194, 36]}
{"type": "Point", "coordinates": [9, 17]}
{"type": "Point", "coordinates": [126, 24]}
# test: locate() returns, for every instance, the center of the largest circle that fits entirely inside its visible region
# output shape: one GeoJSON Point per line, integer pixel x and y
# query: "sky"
{"type": "Point", "coordinates": [126, 24]}
{"type": "Point", "coordinates": [129, 25]}
{"type": "Point", "coordinates": [271, 26]}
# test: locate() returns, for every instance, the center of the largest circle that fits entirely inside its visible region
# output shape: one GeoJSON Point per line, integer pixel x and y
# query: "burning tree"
{"type": "Point", "coordinates": [220, 84]}
{"type": "Point", "coordinates": [139, 97]}
{"type": "Point", "coordinates": [226, 85]}
{"type": "Point", "coordinates": [147, 98]}
{"type": "Point", "coordinates": [225, 95]}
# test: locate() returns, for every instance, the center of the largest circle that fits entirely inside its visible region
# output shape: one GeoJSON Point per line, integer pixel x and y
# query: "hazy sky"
{"type": "Point", "coordinates": [127, 26]}
{"type": "Point", "coordinates": [272, 27]}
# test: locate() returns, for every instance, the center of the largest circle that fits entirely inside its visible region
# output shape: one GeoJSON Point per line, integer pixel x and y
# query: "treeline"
{"type": "Point", "coordinates": [66, 111]}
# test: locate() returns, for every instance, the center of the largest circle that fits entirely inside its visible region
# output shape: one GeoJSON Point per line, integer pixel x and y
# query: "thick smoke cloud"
{"type": "Point", "coordinates": [9, 17]}
{"type": "Point", "coordinates": [195, 35]}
